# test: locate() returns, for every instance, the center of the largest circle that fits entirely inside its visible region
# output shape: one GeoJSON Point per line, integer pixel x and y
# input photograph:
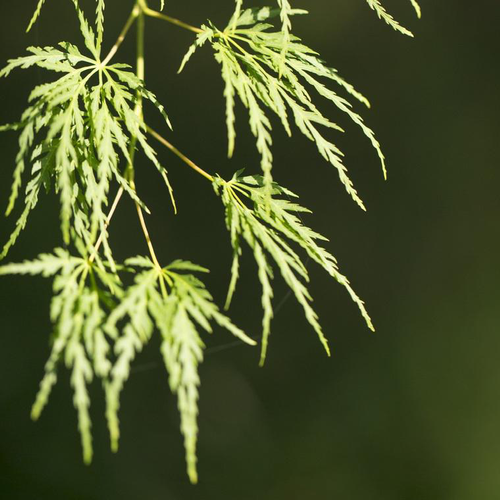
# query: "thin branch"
{"type": "Point", "coordinates": [158, 15]}
{"type": "Point", "coordinates": [149, 242]}
{"type": "Point", "coordinates": [183, 157]}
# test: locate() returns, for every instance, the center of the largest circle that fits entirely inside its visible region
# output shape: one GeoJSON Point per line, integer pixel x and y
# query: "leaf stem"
{"type": "Point", "coordinates": [178, 153]}
{"type": "Point", "coordinates": [172, 20]}
{"type": "Point", "coordinates": [149, 242]}
{"type": "Point", "coordinates": [140, 46]}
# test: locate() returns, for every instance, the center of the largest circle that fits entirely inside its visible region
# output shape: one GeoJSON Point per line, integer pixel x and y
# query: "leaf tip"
{"type": "Point", "coordinates": [87, 457]}
{"type": "Point", "coordinates": [327, 349]}
{"type": "Point", "coordinates": [193, 475]}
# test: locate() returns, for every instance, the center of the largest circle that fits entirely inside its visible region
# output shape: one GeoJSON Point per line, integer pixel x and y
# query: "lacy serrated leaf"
{"type": "Point", "coordinates": [174, 303]}
{"type": "Point", "coordinates": [77, 312]}
{"type": "Point", "coordinates": [36, 15]}
{"type": "Point", "coordinates": [382, 13]}
{"type": "Point", "coordinates": [185, 265]}
{"type": "Point", "coordinates": [237, 12]}
{"type": "Point", "coordinates": [182, 349]}
{"type": "Point", "coordinates": [121, 99]}
{"type": "Point", "coordinates": [88, 33]}
{"type": "Point", "coordinates": [417, 8]}
{"type": "Point", "coordinates": [126, 348]}
{"type": "Point", "coordinates": [268, 228]}
{"type": "Point", "coordinates": [201, 39]}
{"type": "Point", "coordinates": [286, 13]}
{"type": "Point", "coordinates": [101, 5]}
{"type": "Point", "coordinates": [269, 70]}
{"type": "Point", "coordinates": [46, 265]}
{"type": "Point", "coordinates": [40, 174]}
{"type": "Point", "coordinates": [79, 137]}
{"type": "Point", "coordinates": [89, 131]}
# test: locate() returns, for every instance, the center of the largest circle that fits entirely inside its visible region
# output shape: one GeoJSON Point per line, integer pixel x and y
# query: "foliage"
{"type": "Point", "coordinates": [272, 76]}
{"type": "Point", "coordinates": [78, 137]}
{"type": "Point", "coordinates": [90, 310]}
{"type": "Point", "coordinates": [175, 313]}
{"type": "Point", "coordinates": [78, 310]}
{"type": "Point", "coordinates": [87, 127]}
{"type": "Point", "coordinates": [267, 229]}
{"type": "Point", "coordinates": [382, 13]}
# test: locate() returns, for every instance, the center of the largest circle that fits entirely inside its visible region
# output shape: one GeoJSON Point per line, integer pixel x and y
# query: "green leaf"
{"type": "Point", "coordinates": [273, 71]}
{"type": "Point", "coordinates": [36, 15]}
{"type": "Point", "coordinates": [237, 13]}
{"type": "Point", "coordinates": [100, 23]}
{"type": "Point", "coordinates": [269, 228]}
{"type": "Point", "coordinates": [89, 130]}
{"type": "Point", "coordinates": [39, 175]}
{"type": "Point", "coordinates": [201, 39]}
{"type": "Point", "coordinates": [417, 8]}
{"type": "Point", "coordinates": [46, 265]}
{"type": "Point", "coordinates": [382, 13]}
{"type": "Point", "coordinates": [88, 33]}
{"type": "Point", "coordinates": [175, 303]}
{"type": "Point", "coordinates": [77, 312]}
{"type": "Point", "coordinates": [185, 265]}
{"type": "Point", "coordinates": [79, 137]}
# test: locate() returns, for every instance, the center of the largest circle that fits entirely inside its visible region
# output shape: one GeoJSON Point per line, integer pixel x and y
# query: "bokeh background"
{"type": "Point", "coordinates": [410, 412]}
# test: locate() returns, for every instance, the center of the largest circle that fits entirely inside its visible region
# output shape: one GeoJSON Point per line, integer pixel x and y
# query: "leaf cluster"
{"type": "Point", "coordinates": [273, 71]}
{"type": "Point", "coordinates": [176, 303]}
{"type": "Point", "coordinates": [76, 132]}
{"type": "Point", "coordinates": [270, 227]}
{"type": "Point", "coordinates": [100, 326]}
{"type": "Point", "coordinates": [78, 310]}
{"type": "Point", "coordinates": [79, 137]}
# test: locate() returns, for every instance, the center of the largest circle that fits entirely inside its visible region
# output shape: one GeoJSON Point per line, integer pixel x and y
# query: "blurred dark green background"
{"type": "Point", "coordinates": [411, 412]}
